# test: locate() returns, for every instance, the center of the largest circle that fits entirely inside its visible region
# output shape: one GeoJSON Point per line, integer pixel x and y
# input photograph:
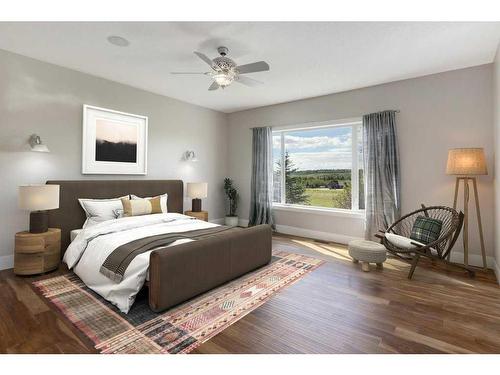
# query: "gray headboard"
{"type": "Point", "coordinates": [70, 215]}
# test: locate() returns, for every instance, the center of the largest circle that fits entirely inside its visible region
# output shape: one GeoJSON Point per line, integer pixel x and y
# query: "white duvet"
{"type": "Point", "coordinates": [91, 247]}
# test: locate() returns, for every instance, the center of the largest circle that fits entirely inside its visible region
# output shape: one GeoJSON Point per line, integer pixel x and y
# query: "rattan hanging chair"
{"type": "Point", "coordinates": [437, 250]}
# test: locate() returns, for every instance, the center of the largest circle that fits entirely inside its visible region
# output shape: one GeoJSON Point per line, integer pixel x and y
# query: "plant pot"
{"type": "Point", "coordinates": [231, 221]}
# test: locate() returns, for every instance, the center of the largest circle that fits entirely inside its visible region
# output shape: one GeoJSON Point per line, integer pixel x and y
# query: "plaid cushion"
{"type": "Point", "coordinates": [426, 229]}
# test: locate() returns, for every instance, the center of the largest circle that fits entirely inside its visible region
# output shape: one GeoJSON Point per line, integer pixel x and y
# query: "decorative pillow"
{"type": "Point", "coordinates": [99, 210]}
{"type": "Point", "coordinates": [137, 207]}
{"type": "Point", "coordinates": [163, 201]}
{"type": "Point", "coordinates": [426, 229]}
{"type": "Point", "coordinates": [402, 242]}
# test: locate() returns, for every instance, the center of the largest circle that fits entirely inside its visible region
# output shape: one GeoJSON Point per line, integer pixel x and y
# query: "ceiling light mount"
{"type": "Point", "coordinates": [223, 51]}
{"type": "Point", "coordinates": [118, 41]}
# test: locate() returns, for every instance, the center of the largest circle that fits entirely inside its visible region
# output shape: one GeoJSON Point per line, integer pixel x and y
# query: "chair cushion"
{"type": "Point", "coordinates": [426, 229]}
{"type": "Point", "coordinates": [402, 242]}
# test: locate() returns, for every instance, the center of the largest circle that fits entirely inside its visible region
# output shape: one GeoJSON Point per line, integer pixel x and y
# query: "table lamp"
{"type": "Point", "coordinates": [465, 163]}
{"type": "Point", "coordinates": [38, 199]}
{"type": "Point", "coordinates": [196, 191]}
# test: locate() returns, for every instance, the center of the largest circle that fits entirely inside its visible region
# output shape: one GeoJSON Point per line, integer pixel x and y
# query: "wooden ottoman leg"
{"type": "Point", "coordinates": [380, 265]}
{"type": "Point", "coordinates": [355, 260]}
{"type": "Point", "coordinates": [365, 266]}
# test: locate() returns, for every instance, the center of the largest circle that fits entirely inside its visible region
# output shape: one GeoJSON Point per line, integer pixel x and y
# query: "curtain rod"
{"type": "Point", "coordinates": [325, 122]}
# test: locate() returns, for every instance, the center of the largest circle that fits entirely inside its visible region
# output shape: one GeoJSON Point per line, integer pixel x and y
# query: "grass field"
{"type": "Point", "coordinates": [322, 197]}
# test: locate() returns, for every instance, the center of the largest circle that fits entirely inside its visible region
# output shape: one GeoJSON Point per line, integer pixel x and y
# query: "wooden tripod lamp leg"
{"type": "Point", "coordinates": [457, 185]}
{"type": "Point", "coordinates": [479, 224]}
{"type": "Point", "coordinates": [466, 221]}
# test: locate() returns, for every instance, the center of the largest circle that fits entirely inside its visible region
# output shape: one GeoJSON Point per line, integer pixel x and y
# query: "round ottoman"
{"type": "Point", "coordinates": [367, 252]}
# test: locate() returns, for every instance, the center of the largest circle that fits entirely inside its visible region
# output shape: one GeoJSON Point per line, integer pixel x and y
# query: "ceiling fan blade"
{"type": "Point", "coordinates": [187, 73]}
{"type": "Point", "coordinates": [213, 86]}
{"type": "Point", "coordinates": [249, 81]}
{"type": "Point", "coordinates": [204, 58]}
{"type": "Point", "coordinates": [259, 66]}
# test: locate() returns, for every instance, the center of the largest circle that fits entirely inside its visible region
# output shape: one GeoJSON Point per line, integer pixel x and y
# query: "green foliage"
{"type": "Point", "coordinates": [232, 195]}
{"type": "Point", "coordinates": [294, 187]}
{"type": "Point", "coordinates": [343, 199]}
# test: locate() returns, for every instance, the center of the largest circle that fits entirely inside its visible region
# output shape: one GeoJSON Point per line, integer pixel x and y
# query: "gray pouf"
{"type": "Point", "coordinates": [367, 252]}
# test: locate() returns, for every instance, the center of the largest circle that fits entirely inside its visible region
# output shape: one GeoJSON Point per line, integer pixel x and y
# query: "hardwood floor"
{"type": "Point", "coordinates": [335, 309]}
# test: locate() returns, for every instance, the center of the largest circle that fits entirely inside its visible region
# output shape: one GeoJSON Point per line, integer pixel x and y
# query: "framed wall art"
{"type": "Point", "coordinates": [113, 142]}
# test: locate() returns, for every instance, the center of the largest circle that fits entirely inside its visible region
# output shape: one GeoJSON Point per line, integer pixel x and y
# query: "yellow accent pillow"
{"type": "Point", "coordinates": [137, 207]}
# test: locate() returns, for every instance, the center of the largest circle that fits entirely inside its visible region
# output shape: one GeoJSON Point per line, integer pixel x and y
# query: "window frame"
{"type": "Point", "coordinates": [355, 124]}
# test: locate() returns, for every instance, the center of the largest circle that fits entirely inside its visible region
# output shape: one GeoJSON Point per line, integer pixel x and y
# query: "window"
{"type": "Point", "coordinates": [323, 167]}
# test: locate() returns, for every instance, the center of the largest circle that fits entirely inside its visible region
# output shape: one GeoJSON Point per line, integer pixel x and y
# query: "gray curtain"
{"type": "Point", "coordinates": [382, 172]}
{"type": "Point", "coordinates": [261, 198]}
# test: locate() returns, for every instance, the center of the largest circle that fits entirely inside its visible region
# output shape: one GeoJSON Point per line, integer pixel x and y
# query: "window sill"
{"type": "Point", "coordinates": [355, 214]}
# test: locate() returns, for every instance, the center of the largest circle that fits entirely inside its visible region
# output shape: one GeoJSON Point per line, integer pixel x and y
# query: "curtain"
{"type": "Point", "coordinates": [262, 177]}
{"type": "Point", "coordinates": [382, 172]}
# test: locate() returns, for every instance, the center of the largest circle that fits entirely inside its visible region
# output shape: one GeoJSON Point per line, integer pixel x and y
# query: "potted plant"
{"type": "Point", "coordinates": [231, 219]}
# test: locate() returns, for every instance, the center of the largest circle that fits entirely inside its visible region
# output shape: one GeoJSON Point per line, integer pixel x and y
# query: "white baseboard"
{"type": "Point", "coordinates": [325, 236]}
{"type": "Point", "coordinates": [219, 221]}
{"type": "Point", "coordinates": [474, 259]}
{"type": "Point", "coordinates": [496, 268]}
{"type": "Point", "coordinates": [6, 262]}
{"type": "Point", "coordinates": [301, 232]}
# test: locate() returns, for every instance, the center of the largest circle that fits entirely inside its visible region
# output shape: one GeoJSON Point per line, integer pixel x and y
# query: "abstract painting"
{"type": "Point", "coordinates": [113, 142]}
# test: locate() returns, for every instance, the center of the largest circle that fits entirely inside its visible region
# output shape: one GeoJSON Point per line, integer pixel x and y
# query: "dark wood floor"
{"type": "Point", "coordinates": [335, 309]}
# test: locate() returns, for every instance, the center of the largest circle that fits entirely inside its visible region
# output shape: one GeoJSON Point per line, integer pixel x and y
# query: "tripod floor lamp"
{"type": "Point", "coordinates": [466, 163]}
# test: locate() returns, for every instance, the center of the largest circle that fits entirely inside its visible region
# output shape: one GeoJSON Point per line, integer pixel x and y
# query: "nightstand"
{"type": "Point", "coordinates": [37, 253]}
{"type": "Point", "coordinates": [201, 215]}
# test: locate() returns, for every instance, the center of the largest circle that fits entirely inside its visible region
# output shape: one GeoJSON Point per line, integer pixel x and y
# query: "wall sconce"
{"type": "Point", "coordinates": [37, 145]}
{"type": "Point", "coordinates": [190, 156]}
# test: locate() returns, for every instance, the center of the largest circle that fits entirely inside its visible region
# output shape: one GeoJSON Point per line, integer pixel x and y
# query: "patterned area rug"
{"type": "Point", "coordinates": [181, 329]}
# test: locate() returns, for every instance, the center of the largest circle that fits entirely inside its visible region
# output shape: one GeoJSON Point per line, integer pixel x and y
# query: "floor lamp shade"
{"type": "Point", "coordinates": [466, 162]}
{"type": "Point", "coordinates": [196, 191]}
{"type": "Point", "coordinates": [38, 199]}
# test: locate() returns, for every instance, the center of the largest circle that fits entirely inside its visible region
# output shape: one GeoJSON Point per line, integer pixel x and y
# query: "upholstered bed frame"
{"type": "Point", "coordinates": [181, 272]}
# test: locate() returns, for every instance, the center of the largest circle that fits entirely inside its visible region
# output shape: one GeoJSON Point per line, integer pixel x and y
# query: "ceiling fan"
{"type": "Point", "coordinates": [224, 71]}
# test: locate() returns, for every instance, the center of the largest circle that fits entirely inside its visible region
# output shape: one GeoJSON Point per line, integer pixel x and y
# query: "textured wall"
{"type": "Point", "coordinates": [496, 114]}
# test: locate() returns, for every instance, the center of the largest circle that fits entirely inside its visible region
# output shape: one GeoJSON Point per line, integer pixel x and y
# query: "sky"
{"type": "Point", "coordinates": [115, 131]}
{"type": "Point", "coordinates": [328, 148]}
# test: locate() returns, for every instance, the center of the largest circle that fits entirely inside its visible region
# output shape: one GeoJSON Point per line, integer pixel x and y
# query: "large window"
{"type": "Point", "coordinates": [319, 167]}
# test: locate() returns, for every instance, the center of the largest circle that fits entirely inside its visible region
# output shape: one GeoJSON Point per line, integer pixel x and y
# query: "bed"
{"type": "Point", "coordinates": [175, 273]}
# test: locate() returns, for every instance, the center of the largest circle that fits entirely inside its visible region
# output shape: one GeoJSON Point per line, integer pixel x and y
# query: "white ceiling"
{"type": "Point", "coordinates": [307, 58]}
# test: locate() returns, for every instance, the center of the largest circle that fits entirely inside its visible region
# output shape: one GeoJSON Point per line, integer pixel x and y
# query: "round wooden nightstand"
{"type": "Point", "coordinates": [37, 253]}
{"type": "Point", "coordinates": [200, 215]}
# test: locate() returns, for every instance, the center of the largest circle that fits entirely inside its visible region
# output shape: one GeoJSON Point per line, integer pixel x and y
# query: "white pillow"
{"type": "Point", "coordinates": [402, 242]}
{"type": "Point", "coordinates": [99, 210]}
{"type": "Point", "coordinates": [163, 201]}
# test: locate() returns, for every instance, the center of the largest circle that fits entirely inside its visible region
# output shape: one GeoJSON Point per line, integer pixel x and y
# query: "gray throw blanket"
{"type": "Point", "coordinates": [116, 263]}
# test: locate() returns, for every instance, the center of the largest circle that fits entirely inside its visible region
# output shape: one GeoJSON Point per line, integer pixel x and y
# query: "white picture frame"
{"type": "Point", "coordinates": [114, 142]}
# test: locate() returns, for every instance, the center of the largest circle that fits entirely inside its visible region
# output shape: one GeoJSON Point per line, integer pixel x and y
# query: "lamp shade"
{"type": "Point", "coordinates": [38, 197]}
{"type": "Point", "coordinates": [466, 162]}
{"type": "Point", "coordinates": [197, 190]}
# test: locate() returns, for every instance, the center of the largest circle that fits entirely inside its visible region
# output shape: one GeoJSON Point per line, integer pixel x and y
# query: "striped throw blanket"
{"type": "Point", "coordinates": [116, 263]}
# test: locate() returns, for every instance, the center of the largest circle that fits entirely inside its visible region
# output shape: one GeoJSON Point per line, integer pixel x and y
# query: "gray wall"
{"type": "Point", "coordinates": [496, 114]}
{"type": "Point", "coordinates": [438, 112]}
{"type": "Point", "coordinates": [41, 98]}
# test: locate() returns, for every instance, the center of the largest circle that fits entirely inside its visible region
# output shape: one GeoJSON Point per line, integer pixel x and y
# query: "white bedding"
{"type": "Point", "coordinates": [91, 247]}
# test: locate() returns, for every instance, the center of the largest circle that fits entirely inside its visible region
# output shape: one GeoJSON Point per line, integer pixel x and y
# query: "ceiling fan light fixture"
{"type": "Point", "coordinates": [224, 79]}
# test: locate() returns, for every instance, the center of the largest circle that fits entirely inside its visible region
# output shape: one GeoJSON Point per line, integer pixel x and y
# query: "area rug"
{"type": "Point", "coordinates": [181, 329]}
